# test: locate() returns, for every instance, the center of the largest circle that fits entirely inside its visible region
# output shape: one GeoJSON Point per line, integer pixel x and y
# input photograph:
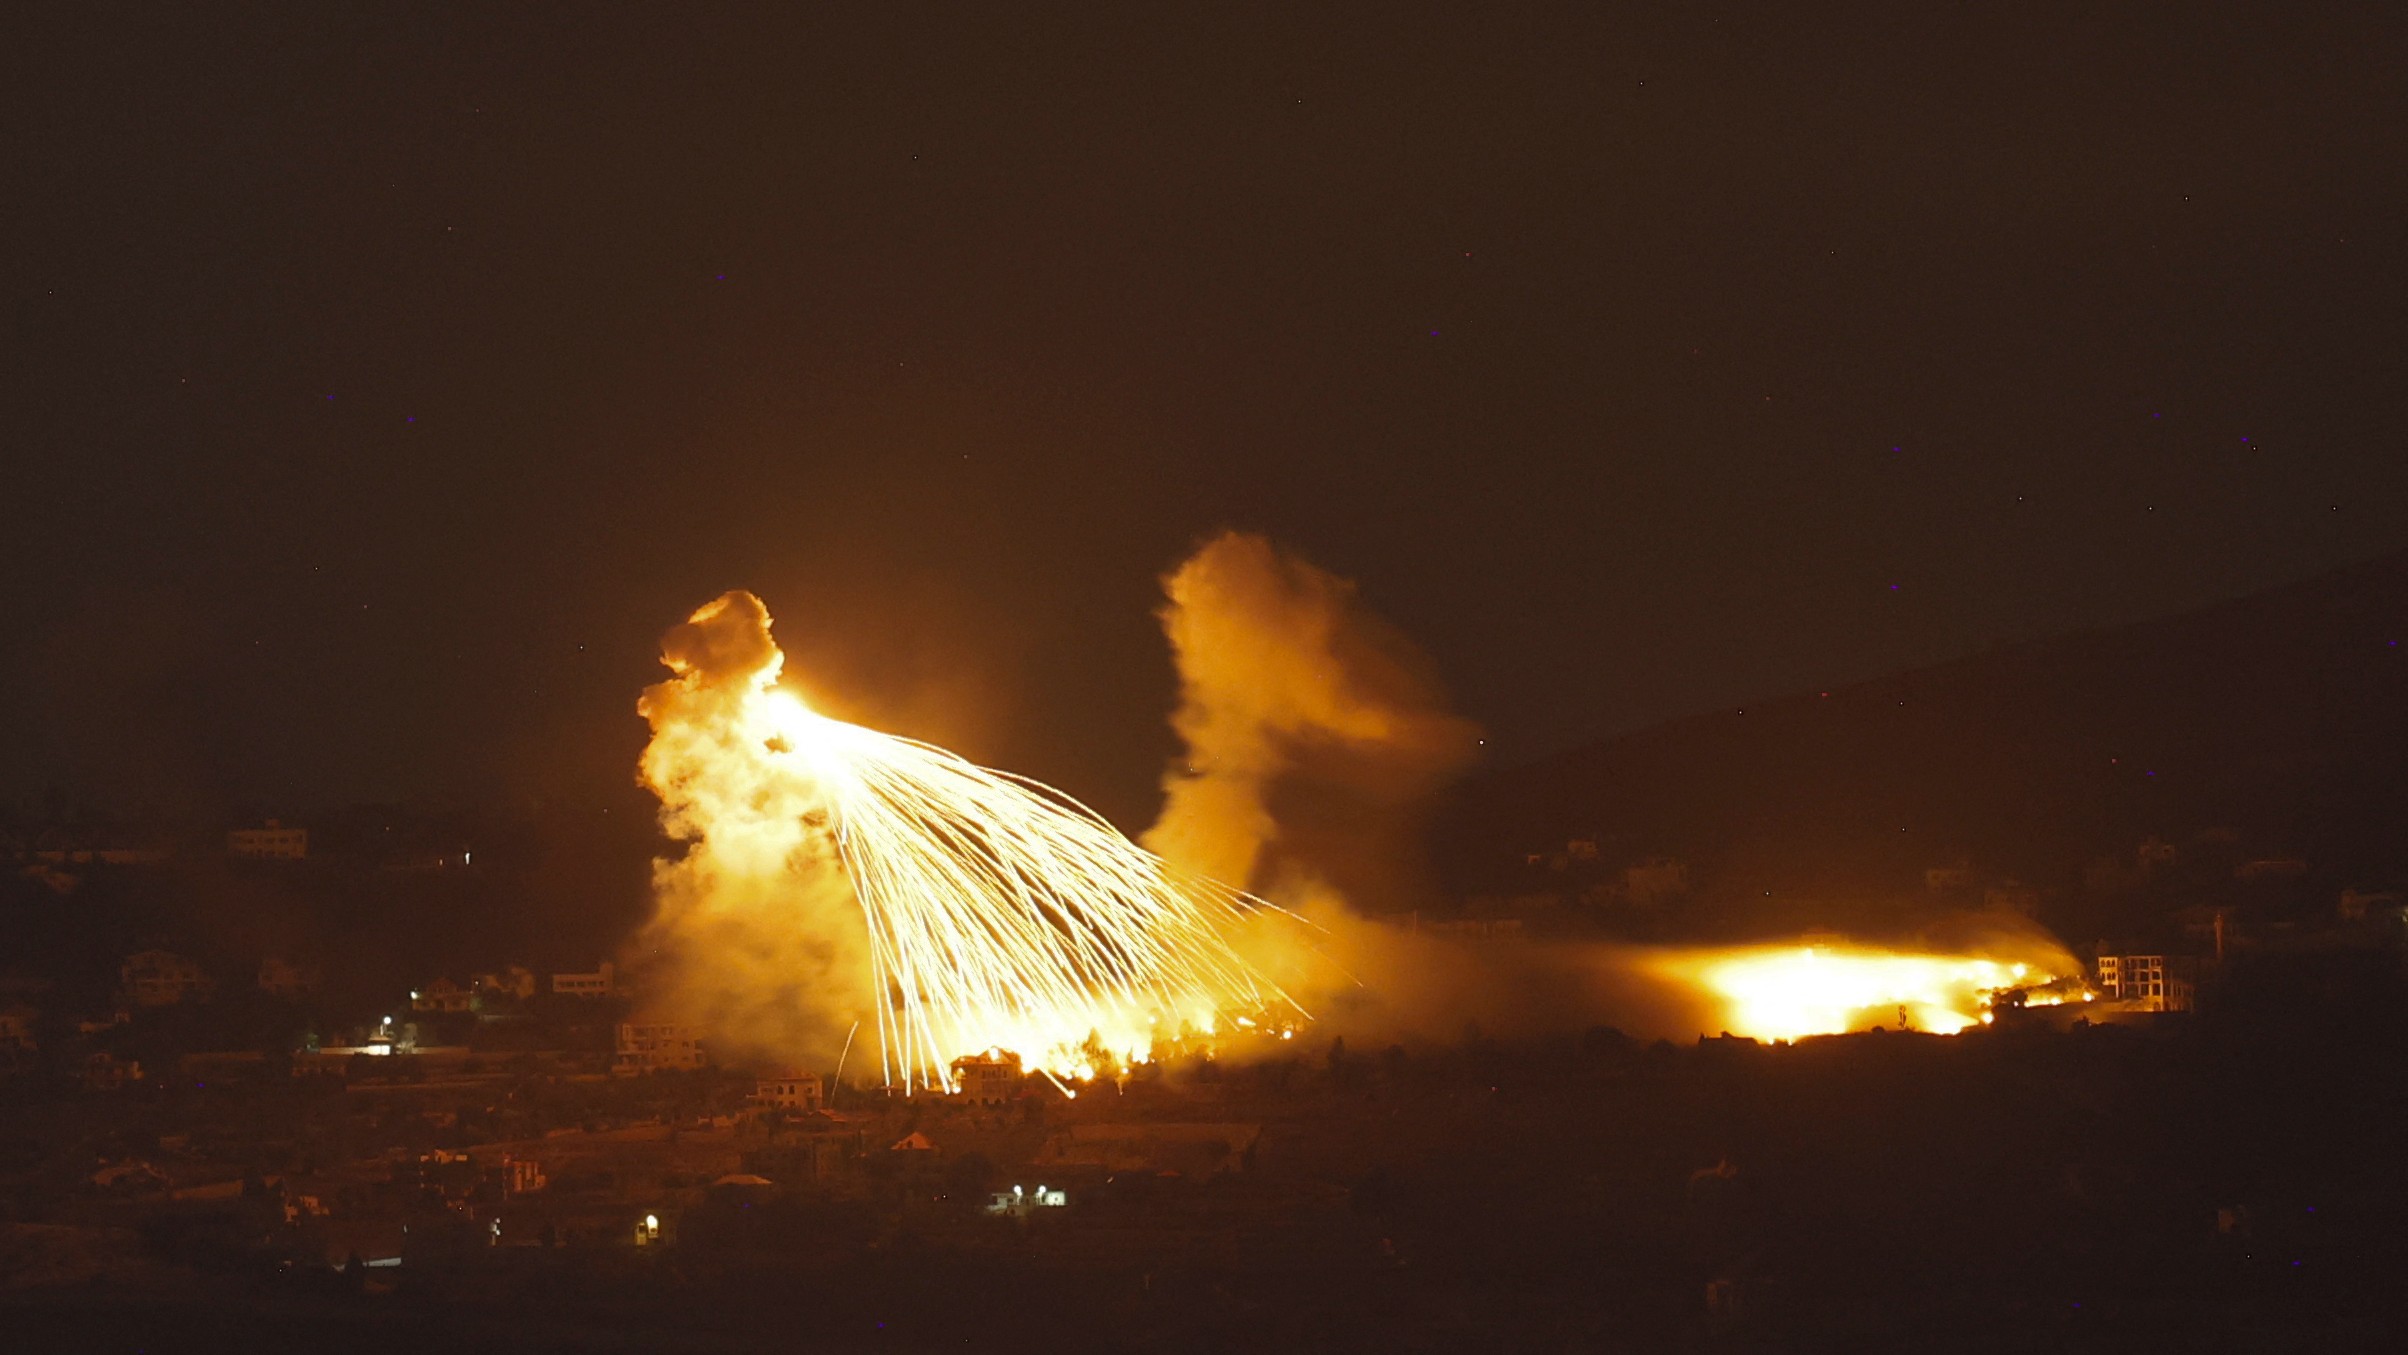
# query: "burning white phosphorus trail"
{"type": "Point", "coordinates": [1002, 914]}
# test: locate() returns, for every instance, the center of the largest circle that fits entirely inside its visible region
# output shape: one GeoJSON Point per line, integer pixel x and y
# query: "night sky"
{"type": "Point", "coordinates": [380, 385]}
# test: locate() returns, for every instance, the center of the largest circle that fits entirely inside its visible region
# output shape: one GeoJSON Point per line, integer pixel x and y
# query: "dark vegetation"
{"type": "Point", "coordinates": [2229, 1182]}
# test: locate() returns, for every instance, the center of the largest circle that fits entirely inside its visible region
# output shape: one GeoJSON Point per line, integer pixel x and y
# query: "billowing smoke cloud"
{"type": "Point", "coordinates": [758, 938]}
{"type": "Point", "coordinates": [1315, 731]}
{"type": "Point", "coordinates": [1316, 735]}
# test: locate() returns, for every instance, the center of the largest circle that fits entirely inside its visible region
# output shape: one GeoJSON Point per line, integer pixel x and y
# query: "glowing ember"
{"type": "Point", "coordinates": [1785, 992]}
{"type": "Point", "coordinates": [1002, 914]}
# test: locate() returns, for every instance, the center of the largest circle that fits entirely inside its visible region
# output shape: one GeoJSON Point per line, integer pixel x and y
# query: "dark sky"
{"type": "Point", "coordinates": [379, 386]}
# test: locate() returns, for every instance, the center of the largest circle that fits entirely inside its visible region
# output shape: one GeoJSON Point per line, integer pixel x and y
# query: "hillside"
{"type": "Point", "coordinates": [2272, 724]}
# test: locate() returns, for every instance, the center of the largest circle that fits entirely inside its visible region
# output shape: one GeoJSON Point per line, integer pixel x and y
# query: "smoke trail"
{"type": "Point", "coordinates": [758, 938]}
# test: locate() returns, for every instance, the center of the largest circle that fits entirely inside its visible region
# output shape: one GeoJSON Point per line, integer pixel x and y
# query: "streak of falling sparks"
{"type": "Point", "coordinates": [1001, 913]}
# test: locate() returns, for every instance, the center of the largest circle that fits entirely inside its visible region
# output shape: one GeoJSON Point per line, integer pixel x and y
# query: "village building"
{"type": "Point", "coordinates": [517, 981]}
{"type": "Point", "coordinates": [1197, 1151]}
{"type": "Point", "coordinates": [987, 1079]}
{"type": "Point", "coordinates": [1021, 1201]}
{"type": "Point", "coordinates": [161, 978]}
{"type": "Point", "coordinates": [1654, 880]}
{"type": "Point", "coordinates": [519, 1175]}
{"type": "Point", "coordinates": [2271, 868]}
{"type": "Point", "coordinates": [442, 996]}
{"type": "Point", "coordinates": [282, 978]}
{"type": "Point", "coordinates": [105, 1072]}
{"type": "Point", "coordinates": [16, 1033]}
{"type": "Point", "coordinates": [2149, 983]}
{"type": "Point", "coordinates": [2357, 905]}
{"type": "Point", "coordinates": [271, 842]}
{"type": "Point", "coordinates": [656, 1049]}
{"type": "Point", "coordinates": [789, 1090]}
{"type": "Point", "coordinates": [599, 983]}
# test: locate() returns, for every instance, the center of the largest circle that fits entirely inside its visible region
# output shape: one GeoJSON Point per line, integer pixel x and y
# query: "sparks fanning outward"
{"type": "Point", "coordinates": [1001, 914]}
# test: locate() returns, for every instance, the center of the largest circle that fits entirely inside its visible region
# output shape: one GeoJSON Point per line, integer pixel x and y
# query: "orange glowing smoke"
{"type": "Point", "coordinates": [991, 912]}
{"type": "Point", "coordinates": [1783, 992]}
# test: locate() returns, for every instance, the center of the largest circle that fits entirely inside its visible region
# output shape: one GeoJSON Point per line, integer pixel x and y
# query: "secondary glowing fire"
{"type": "Point", "coordinates": [1001, 914]}
{"type": "Point", "coordinates": [1785, 992]}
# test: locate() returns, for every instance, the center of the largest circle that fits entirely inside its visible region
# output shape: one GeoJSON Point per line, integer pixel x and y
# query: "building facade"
{"type": "Point", "coordinates": [790, 1089]}
{"type": "Point", "coordinates": [269, 842]}
{"type": "Point", "coordinates": [283, 978]}
{"type": "Point", "coordinates": [987, 1078]}
{"type": "Point", "coordinates": [599, 983]}
{"type": "Point", "coordinates": [656, 1049]}
{"type": "Point", "coordinates": [442, 995]}
{"type": "Point", "coordinates": [161, 978]}
{"type": "Point", "coordinates": [2149, 983]}
{"type": "Point", "coordinates": [16, 1031]}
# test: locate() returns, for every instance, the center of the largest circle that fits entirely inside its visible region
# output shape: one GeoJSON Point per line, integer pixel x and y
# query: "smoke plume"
{"type": "Point", "coordinates": [758, 938]}
{"type": "Point", "coordinates": [1316, 735]}
{"type": "Point", "coordinates": [1315, 731]}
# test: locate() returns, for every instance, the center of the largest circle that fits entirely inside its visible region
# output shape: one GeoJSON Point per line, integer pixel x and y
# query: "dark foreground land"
{"type": "Point", "coordinates": [2228, 1181]}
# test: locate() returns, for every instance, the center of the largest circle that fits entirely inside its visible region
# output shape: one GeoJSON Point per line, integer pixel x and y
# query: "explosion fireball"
{"type": "Point", "coordinates": [1786, 992]}
{"type": "Point", "coordinates": [1000, 914]}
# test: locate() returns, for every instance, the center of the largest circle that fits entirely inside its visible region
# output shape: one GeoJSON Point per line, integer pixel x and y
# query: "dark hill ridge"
{"type": "Point", "coordinates": [2281, 716]}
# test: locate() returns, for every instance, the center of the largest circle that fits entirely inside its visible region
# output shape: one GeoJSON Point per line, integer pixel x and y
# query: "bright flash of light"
{"type": "Point", "coordinates": [1001, 913]}
{"type": "Point", "coordinates": [1785, 992]}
